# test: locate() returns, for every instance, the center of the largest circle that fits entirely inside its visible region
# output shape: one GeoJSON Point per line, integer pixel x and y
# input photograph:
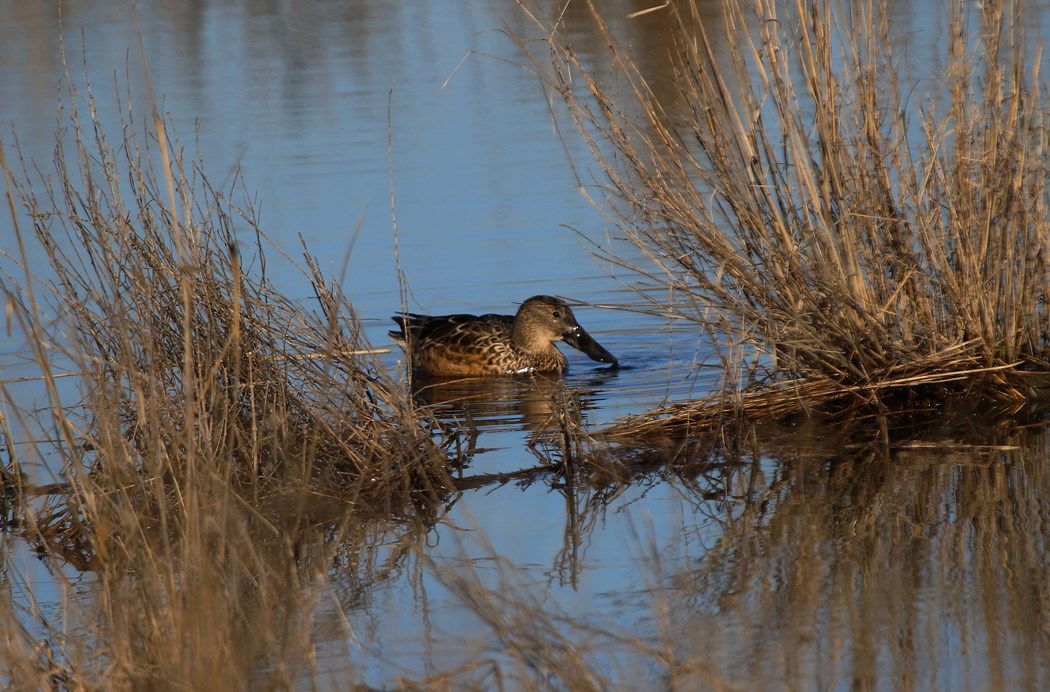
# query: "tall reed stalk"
{"type": "Point", "coordinates": [858, 226]}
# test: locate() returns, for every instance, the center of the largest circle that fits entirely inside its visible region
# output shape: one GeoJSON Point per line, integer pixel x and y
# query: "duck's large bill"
{"type": "Point", "coordinates": [582, 341]}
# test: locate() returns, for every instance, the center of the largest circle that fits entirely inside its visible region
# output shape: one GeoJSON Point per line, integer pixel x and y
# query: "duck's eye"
{"type": "Point", "coordinates": [556, 313]}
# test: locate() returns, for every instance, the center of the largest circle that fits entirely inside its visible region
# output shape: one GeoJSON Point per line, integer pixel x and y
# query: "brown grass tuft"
{"type": "Point", "coordinates": [216, 430]}
{"type": "Point", "coordinates": [793, 185]}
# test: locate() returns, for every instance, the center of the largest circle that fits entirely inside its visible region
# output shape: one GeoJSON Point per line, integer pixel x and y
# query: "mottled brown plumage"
{"type": "Point", "coordinates": [486, 345]}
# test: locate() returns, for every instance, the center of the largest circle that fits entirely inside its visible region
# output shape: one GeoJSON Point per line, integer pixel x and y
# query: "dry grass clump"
{"type": "Point", "coordinates": [212, 417]}
{"type": "Point", "coordinates": [794, 186]}
{"type": "Point", "coordinates": [191, 352]}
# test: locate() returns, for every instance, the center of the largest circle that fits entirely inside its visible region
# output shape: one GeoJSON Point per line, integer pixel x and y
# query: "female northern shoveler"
{"type": "Point", "coordinates": [480, 345]}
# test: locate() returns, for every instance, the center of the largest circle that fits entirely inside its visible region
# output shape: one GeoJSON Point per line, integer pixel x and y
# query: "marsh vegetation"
{"type": "Point", "coordinates": [860, 233]}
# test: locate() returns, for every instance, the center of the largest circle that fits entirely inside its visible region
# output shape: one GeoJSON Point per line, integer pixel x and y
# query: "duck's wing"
{"type": "Point", "coordinates": [449, 328]}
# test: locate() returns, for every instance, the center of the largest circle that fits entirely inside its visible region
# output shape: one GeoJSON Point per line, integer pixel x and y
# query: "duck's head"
{"type": "Point", "coordinates": [542, 320]}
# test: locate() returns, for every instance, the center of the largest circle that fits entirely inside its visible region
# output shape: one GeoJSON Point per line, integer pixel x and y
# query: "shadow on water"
{"type": "Point", "coordinates": [478, 413]}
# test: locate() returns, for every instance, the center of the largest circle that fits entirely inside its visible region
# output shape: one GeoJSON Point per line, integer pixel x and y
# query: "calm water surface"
{"type": "Point", "coordinates": [809, 567]}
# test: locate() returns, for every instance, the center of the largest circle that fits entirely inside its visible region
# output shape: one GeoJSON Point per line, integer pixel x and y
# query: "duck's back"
{"type": "Point", "coordinates": [468, 346]}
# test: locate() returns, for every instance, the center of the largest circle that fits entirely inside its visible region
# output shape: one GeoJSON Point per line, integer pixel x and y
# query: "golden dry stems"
{"type": "Point", "coordinates": [1001, 389]}
{"type": "Point", "coordinates": [223, 446]}
{"type": "Point", "coordinates": [203, 454]}
{"type": "Point", "coordinates": [795, 186]}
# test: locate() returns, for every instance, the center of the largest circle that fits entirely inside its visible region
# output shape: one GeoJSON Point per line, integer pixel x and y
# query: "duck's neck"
{"type": "Point", "coordinates": [526, 340]}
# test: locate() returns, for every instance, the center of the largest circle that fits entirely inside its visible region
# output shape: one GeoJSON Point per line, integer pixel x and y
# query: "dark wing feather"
{"type": "Point", "coordinates": [439, 328]}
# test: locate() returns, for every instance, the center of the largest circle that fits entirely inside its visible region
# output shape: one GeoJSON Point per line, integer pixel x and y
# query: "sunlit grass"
{"type": "Point", "coordinates": [228, 462]}
{"type": "Point", "coordinates": [215, 429]}
{"type": "Point", "coordinates": [798, 192]}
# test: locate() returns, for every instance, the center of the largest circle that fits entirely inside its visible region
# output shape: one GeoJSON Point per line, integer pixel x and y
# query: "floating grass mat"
{"type": "Point", "coordinates": [1003, 387]}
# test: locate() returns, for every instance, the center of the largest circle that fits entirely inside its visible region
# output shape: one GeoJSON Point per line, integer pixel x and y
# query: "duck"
{"type": "Point", "coordinates": [489, 345]}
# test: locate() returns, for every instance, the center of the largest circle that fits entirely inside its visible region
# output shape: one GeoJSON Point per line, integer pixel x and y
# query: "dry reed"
{"type": "Point", "coordinates": [216, 431]}
{"type": "Point", "coordinates": [864, 232]}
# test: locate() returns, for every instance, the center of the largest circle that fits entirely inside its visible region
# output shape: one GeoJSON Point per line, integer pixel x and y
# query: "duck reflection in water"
{"type": "Point", "coordinates": [532, 403]}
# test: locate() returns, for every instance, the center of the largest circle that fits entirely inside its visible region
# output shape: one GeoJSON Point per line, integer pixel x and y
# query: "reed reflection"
{"type": "Point", "coordinates": [878, 563]}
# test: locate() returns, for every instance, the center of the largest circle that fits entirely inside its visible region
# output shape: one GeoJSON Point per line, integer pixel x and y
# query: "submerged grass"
{"type": "Point", "coordinates": [864, 232]}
